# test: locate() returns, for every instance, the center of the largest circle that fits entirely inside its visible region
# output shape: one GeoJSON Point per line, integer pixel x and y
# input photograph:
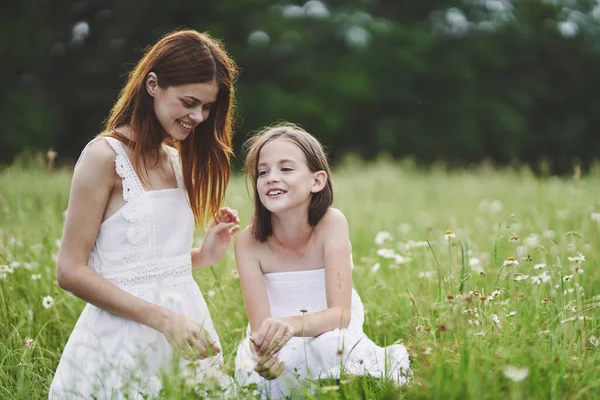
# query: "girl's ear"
{"type": "Point", "coordinates": [320, 180]}
{"type": "Point", "coordinates": [152, 84]}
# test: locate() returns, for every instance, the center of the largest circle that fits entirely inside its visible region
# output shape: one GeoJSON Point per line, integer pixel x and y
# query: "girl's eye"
{"type": "Point", "coordinates": [261, 173]}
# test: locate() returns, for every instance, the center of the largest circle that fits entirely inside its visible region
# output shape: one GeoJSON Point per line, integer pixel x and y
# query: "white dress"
{"type": "Point", "coordinates": [347, 350]}
{"type": "Point", "coordinates": [145, 250]}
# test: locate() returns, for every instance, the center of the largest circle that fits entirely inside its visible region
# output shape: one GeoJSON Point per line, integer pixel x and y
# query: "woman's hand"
{"type": "Point", "coordinates": [189, 337]}
{"type": "Point", "coordinates": [218, 237]}
{"type": "Point", "coordinates": [272, 336]}
{"type": "Point", "coordinates": [269, 367]}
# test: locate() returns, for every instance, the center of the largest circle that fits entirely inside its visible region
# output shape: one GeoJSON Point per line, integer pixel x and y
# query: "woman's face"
{"type": "Point", "coordinates": [180, 109]}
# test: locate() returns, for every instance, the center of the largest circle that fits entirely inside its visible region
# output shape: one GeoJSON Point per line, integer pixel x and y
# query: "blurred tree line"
{"type": "Point", "coordinates": [439, 80]}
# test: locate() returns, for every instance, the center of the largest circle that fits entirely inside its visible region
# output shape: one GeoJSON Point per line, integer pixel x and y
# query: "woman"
{"type": "Point", "coordinates": [161, 166]}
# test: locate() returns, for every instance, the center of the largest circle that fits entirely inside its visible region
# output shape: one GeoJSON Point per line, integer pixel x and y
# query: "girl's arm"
{"type": "Point", "coordinates": [251, 279]}
{"type": "Point", "coordinates": [93, 181]}
{"type": "Point", "coordinates": [338, 280]}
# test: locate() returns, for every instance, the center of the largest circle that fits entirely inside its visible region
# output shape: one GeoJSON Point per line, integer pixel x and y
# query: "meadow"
{"type": "Point", "coordinates": [489, 277]}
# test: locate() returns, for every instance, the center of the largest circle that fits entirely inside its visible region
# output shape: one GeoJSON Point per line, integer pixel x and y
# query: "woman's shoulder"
{"type": "Point", "coordinates": [98, 152]}
{"type": "Point", "coordinates": [246, 239]}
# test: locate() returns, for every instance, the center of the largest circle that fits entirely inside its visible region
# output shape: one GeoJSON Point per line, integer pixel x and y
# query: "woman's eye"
{"type": "Point", "coordinates": [261, 173]}
{"type": "Point", "coordinates": [286, 169]}
{"type": "Point", "coordinates": [188, 105]}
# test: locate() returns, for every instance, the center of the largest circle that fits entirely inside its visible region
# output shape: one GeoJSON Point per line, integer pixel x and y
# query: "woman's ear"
{"type": "Point", "coordinates": [320, 180]}
{"type": "Point", "coordinates": [152, 84]}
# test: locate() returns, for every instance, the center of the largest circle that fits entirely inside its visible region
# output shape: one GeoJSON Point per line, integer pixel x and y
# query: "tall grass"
{"type": "Point", "coordinates": [476, 324]}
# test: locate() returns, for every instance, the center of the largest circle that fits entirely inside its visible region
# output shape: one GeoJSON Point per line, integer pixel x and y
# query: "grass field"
{"type": "Point", "coordinates": [504, 307]}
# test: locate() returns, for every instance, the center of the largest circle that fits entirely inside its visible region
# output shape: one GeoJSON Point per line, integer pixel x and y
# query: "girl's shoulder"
{"type": "Point", "coordinates": [332, 218]}
{"type": "Point", "coordinates": [246, 240]}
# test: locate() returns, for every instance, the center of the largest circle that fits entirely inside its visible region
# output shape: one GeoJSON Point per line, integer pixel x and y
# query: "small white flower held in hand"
{"type": "Point", "coordinates": [515, 374]}
{"type": "Point", "coordinates": [47, 302]}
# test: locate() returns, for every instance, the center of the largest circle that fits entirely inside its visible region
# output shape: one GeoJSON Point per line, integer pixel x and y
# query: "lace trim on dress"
{"type": "Point", "coordinates": [144, 277]}
{"type": "Point", "coordinates": [137, 209]}
{"type": "Point", "coordinates": [176, 164]}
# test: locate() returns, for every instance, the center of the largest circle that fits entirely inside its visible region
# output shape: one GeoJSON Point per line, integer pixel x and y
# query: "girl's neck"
{"type": "Point", "coordinates": [291, 230]}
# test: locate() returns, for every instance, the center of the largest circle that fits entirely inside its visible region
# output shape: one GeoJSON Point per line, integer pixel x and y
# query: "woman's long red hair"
{"type": "Point", "coordinates": [180, 58]}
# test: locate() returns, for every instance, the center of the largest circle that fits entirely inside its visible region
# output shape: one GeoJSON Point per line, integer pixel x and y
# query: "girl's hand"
{"type": "Point", "coordinates": [269, 367]}
{"type": "Point", "coordinates": [272, 336]}
{"type": "Point", "coordinates": [219, 235]}
{"type": "Point", "coordinates": [189, 337]}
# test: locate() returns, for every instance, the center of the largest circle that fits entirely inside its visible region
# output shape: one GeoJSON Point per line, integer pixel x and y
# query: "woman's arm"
{"type": "Point", "coordinates": [93, 181]}
{"type": "Point", "coordinates": [338, 280]}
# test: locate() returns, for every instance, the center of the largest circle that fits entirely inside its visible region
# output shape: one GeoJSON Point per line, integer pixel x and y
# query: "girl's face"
{"type": "Point", "coordinates": [180, 109]}
{"type": "Point", "coordinates": [284, 181]}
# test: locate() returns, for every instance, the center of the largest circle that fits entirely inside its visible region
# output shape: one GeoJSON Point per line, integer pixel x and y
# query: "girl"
{"type": "Point", "coordinates": [161, 166]}
{"type": "Point", "coordinates": [295, 267]}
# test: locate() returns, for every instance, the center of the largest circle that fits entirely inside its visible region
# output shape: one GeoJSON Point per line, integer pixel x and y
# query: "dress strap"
{"type": "Point", "coordinates": [132, 187]}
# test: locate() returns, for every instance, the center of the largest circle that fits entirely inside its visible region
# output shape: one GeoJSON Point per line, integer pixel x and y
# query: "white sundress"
{"type": "Point", "coordinates": [144, 248]}
{"type": "Point", "coordinates": [325, 356]}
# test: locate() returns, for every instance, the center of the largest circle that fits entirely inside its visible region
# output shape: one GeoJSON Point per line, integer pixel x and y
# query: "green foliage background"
{"type": "Point", "coordinates": [453, 81]}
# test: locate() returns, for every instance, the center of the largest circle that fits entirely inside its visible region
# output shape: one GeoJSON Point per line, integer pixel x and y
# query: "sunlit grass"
{"type": "Point", "coordinates": [476, 324]}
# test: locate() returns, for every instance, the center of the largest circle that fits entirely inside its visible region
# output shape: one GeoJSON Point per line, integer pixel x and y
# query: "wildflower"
{"type": "Point", "coordinates": [496, 206]}
{"type": "Point", "coordinates": [382, 237]}
{"type": "Point", "coordinates": [514, 239]}
{"type": "Point", "coordinates": [426, 274]}
{"type": "Point", "coordinates": [442, 328]}
{"type": "Point", "coordinates": [449, 235]}
{"type": "Point", "coordinates": [577, 269]}
{"type": "Point", "coordinates": [426, 351]}
{"type": "Point", "coordinates": [474, 322]}
{"type": "Point", "coordinates": [567, 278]}
{"type": "Point", "coordinates": [521, 277]}
{"type": "Point", "coordinates": [211, 293]}
{"type": "Point", "coordinates": [480, 333]}
{"type": "Point", "coordinates": [496, 320]}
{"type": "Point", "coordinates": [527, 258]}
{"type": "Point", "coordinates": [29, 342]}
{"type": "Point", "coordinates": [450, 298]}
{"type": "Point", "coordinates": [571, 307]}
{"type": "Point", "coordinates": [595, 217]}
{"type": "Point", "coordinates": [510, 261]}
{"type": "Point", "coordinates": [578, 259]}
{"type": "Point", "coordinates": [539, 266]}
{"type": "Point", "coordinates": [515, 374]}
{"type": "Point", "coordinates": [235, 274]}
{"type": "Point", "coordinates": [475, 292]}
{"type": "Point", "coordinates": [545, 301]}
{"type": "Point", "coordinates": [304, 310]}
{"type": "Point", "coordinates": [386, 253]}
{"type": "Point", "coordinates": [375, 268]}
{"type": "Point", "coordinates": [47, 302]}
{"type": "Point", "coordinates": [484, 299]}
{"type": "Point", "coordinates": [474, 262]}
{"type": "Point", "coordinates": [584, 318]}
{"type": "Point", "coordinates": [401, 260]}
{"type": "Point", "coordinates": [511, 314]}
{"type": "Point", "coordinates": [420, 328]}
{"type": "Point", "coordinates": [470, 311]}
{"type": "Point", "coordinates": [496, 292]}
{"type": "Point", "coordinates": [35, 277]}
{"type": "Point", "coordinates": [594, 341]}
{"type": "Point", "coordinates": [532, 240]}
{"type": "Point", "coordinates": [549, 234]}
